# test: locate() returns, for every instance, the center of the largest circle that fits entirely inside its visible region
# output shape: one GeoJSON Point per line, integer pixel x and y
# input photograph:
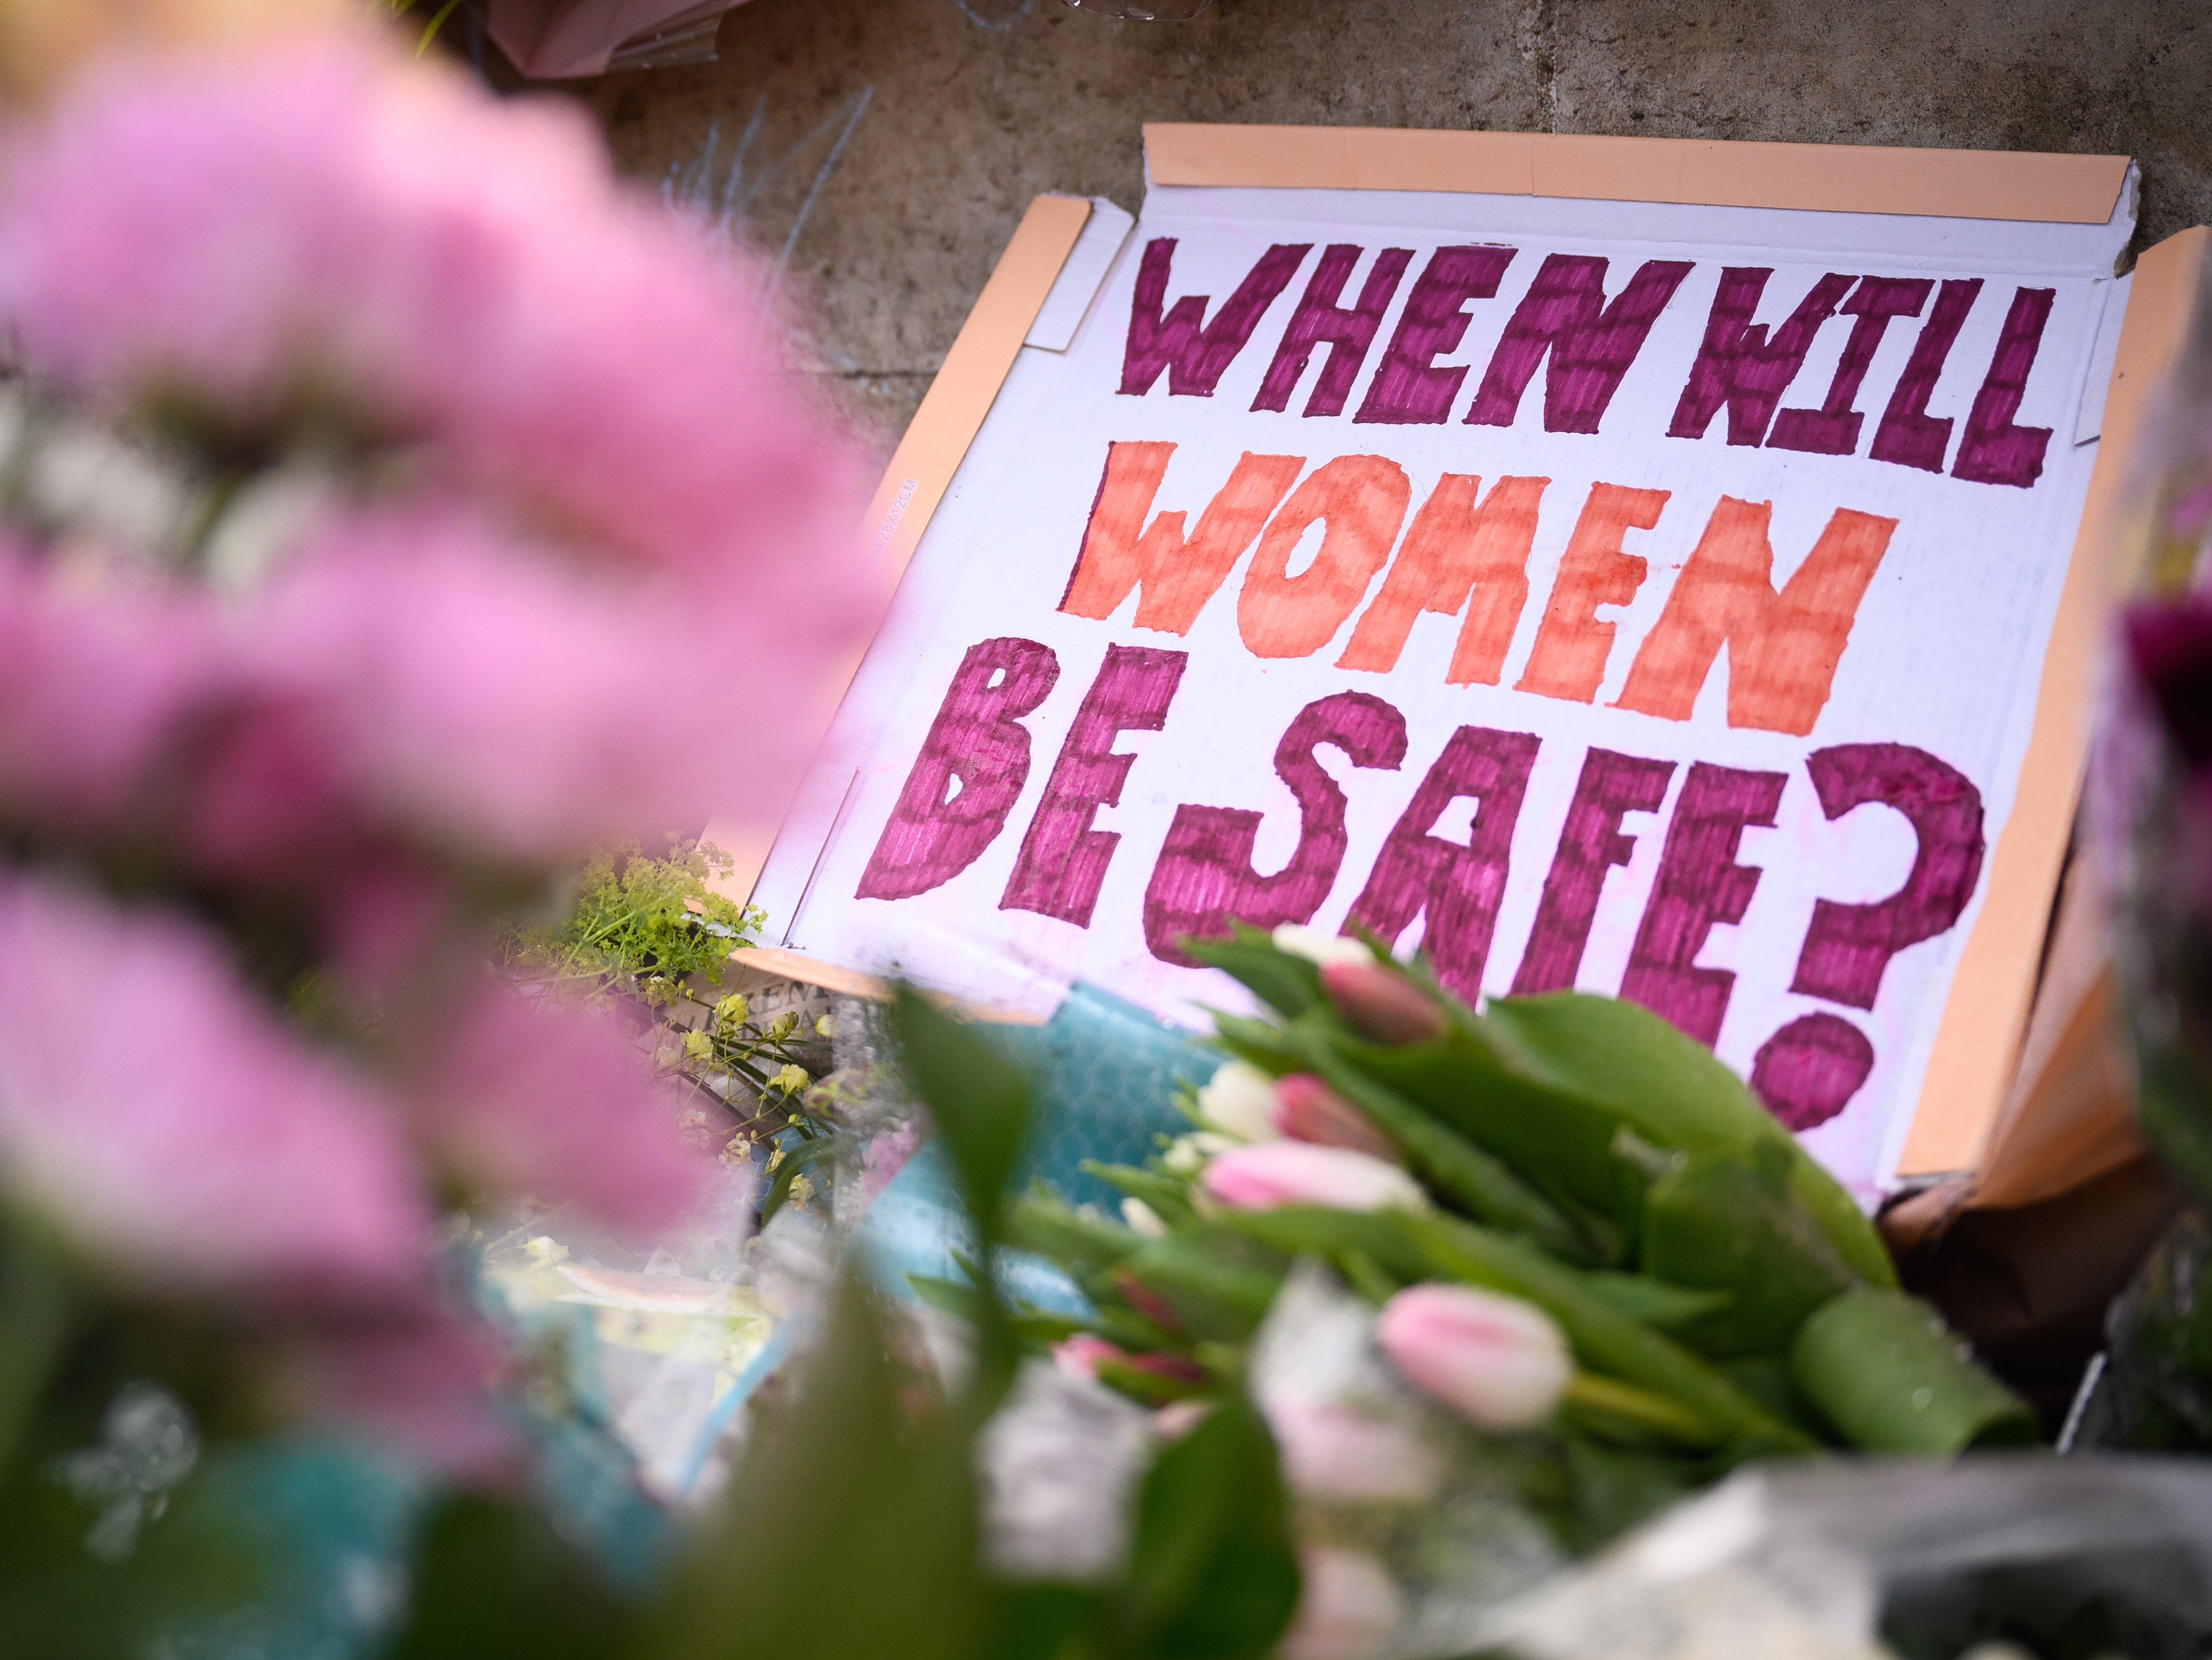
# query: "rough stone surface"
{"type": "Point", "coordinates": [884, 149]}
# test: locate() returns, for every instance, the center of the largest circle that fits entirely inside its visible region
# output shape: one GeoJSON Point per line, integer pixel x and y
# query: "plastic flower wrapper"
{"type": "Point", "coordinates": [1400, 1505]}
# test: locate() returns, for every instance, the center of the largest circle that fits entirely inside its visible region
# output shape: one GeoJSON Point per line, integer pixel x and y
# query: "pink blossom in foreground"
{"type": "Point", "coordinates": [1349, 1607]}
{"type": "Point", "coordinates": [1279, 1173]}
{"type": "Point", "coordinates": [542, 1100]}
{"type": "Point", "coordinates": [1080, 1355]}
{"type": "Point", "coordinates": [152, 1110]}
{"type": "Point", "coordinates": [1499, 1362]}
{"type": "Point", "coordinates": [318, 220]}
{"type": "Point", "coordinates": [478, 697]}
{"type": "Point", "coordinates": [94, 684]}
{"type": "Point", "coordinates": [1307, 1109]}
{"type": "Point", "coordinates": [1381, 1004]}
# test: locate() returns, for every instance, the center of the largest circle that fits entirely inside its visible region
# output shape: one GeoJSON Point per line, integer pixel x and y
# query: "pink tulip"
{"type": "Point", "coordinates": [1306, 1109]}
{"type": "Point", "coordinates": [1278, 1173]}
{"type": "Point", "coordinates": [1080, 1355]}
{"type": "Point", "coordinates": [1381, 1004]}
{"type": "Point", "coordinates": [1349, 1607]}
{"type": "Point", "coordinates": [1499, 1362]}
{"type": "Point", "coordinates": [153, 1109]}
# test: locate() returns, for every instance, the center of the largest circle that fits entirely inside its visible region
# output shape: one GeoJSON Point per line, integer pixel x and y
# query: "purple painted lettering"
{"type": "Point", "coordinates": [1908, 435]}
{"type": "Point", "coordinates": [1179, 339]}
{"type": "Point", "coordinates": [1590, 844]}
{"type": "Point", "coordinates": [978, 743]}
{"type": "Point", "coordinates": [1699, 887]}
{"type": "Point", "coordinates": [1833, 428]}
{"type": "Point", "coordinates": [1205, 879]}
{"type": "Point", "coordinates": [1993, 450]}
{"type": "Point", "coordinates": [1592, 344]}
{"type": "Point", "coordinates": [1458, 886]}
{"type": "Point", "coordinates": [1063, 859]}
{"type": "Point", "coordinates": [1348, 333]}
{"type": "Point", "coordinates": [1807, 1072]}
{"type": "Point", "coordinates": [1739, 366]}
{"type": "Point", "coordinates": [1408, 388]}
{"type": "Point", "coordinates": [1848, 947]}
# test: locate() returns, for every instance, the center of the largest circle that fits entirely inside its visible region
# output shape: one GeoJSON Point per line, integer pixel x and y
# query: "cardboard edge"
{"type": "Point", "coordinates": [2034, 187]}
{"type": "Point", "coordinates": [1977, 1049]}
{"type": "Point", "coordinates": [930, 452]}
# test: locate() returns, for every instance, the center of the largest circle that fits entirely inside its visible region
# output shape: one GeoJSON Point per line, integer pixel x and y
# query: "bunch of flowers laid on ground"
{"type": "Point", "coordinates": [380, 485]}
{"type": "Point", "coordinates": [1558, 1262]}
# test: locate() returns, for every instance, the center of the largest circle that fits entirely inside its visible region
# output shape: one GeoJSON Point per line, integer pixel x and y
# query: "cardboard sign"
{"type": "Point", "coordinates": [1663, 598]}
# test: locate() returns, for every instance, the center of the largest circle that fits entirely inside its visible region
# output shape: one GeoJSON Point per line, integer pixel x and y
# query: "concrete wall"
{"type": "Point", "coordinates": [883, 149]}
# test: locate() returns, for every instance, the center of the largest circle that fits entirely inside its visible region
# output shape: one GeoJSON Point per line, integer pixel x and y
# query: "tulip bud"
{"type": "Point", "coordinates": [1316, 946]}
{"type": "Point", "coordinates": [1080, 1355]}
{"type": "Point", "coordinates": [1500, 1363]}
{"type": "Point", "coordinates": [1307, 1110]}
{"type": "Point", "coordinates": [1380, 1005]}
{"type": "Point", "coordinates": [1300, 1173]}
{"type": "Point", "coordinates": [1349, 1607]}
{"type": "Point", "coordinates": [1238, 1099]}
{"type": "Point", "coordinates": [1140, 1217]}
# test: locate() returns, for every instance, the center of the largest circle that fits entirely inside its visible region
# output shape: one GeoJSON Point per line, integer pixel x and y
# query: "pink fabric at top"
{"type": "Point", "coordinates": [556, 40]}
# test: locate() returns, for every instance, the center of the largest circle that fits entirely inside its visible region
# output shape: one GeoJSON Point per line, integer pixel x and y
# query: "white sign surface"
{"type": "Point", "coordinates": [1650, 599]}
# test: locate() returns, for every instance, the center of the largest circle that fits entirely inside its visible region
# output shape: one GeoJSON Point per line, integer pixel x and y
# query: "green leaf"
{"type": "Point", "coordinates": [1168, 1197]}
{"type": "Point", "coordinates": [34, 1318]}
{"type": "Point", "coordinates": [1654, 1302]}
{"type": "Point", "coordinates": [893, 1501]}
{"type": "Point", "coordinates": [1717, 1222]}
{"type": "Point", "coordinates": [1198, 1275]}
{"type": "Point", "coordinates": [1288, 984]}
{"type": "Point", "coordinates": [1892, 1378]}
{"type": "Point", "coordinates": [1558, 1139]}
{"type": "Point", "coordinates": [494, 1577]}
{"type": "Point", "coordinates": [978, 1096]}
{"type": "Point", "coordinates": [1211, 1576]}
{"type": "Point", "coordinates": [1084, 1242]}
{"type": "Point", "coordinates": [1672, 1091]}
{"type": "Point", "coordinates": [1465, 1175]}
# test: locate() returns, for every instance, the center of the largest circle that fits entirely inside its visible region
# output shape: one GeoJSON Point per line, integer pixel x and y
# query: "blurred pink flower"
{"type": "Point", "coordinates": [320, 221]}
{"type": "Point", "coordinates": [1300, 1173]}
{"type": "Point", "coordinates": [540, 1099]}
{"type": "Point", "coordinates": [151, 1110]}
{"type": "Point", "coordinates": [1499, 1362]}
{"type": "Point", "coordinates": [1307, 1110]}
{"type": "Point", "coordinates": [478, 697]}
{"type": "Point", "coordinates": [1380, 1003]}
{"type": "Point", "coordinates": [93, 683]}
{"type": "Point", "coordinates": [1080, 1355]}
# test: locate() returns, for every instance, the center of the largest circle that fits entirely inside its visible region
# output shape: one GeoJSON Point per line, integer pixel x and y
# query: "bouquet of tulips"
{"type": "Point", "coordinates": [1561, 1223]}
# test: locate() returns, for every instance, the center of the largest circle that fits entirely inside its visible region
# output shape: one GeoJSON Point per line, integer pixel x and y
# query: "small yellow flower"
{"type": "Point", "coordinates": [775, 1159]}
{"type": "Point", "coordinates": [697, 1045]}
{"type": "Point", "coordinates": [790, 1080]}
{"type": "Point", "coordinates": [734, 1010]}
{"type": "Point", "coordinates": [801, 1189]}
{"type": "Point", "coordinates": [825, 1027]}
{"type": "Point", "coordinates": [784, 1025]}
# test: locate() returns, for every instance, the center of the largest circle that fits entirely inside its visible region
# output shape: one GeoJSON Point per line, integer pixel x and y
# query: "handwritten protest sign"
{"type": "Point", "coordinates": [1646, 598]}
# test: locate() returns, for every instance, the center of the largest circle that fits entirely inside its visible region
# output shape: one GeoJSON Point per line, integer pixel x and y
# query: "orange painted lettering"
{"type": "Point", "coordinates": [1176, 575]}
{"type": "Point", "coordinates": [1456, 554]}
{"type": "Point", "coordinates": [1783, 647]}
{"type": "Point", "coordinates": [1362, 500]}
{"type": "Point", "coordinates": [1572, 645]}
